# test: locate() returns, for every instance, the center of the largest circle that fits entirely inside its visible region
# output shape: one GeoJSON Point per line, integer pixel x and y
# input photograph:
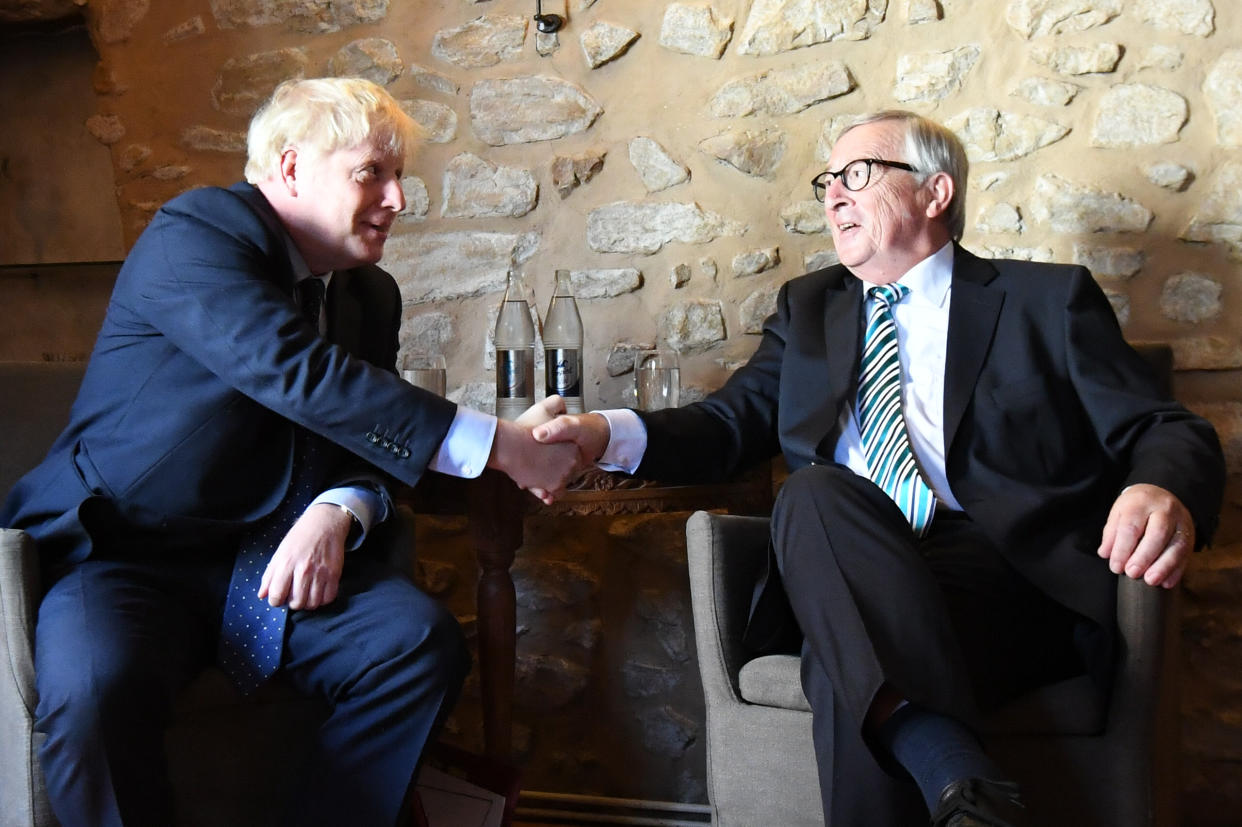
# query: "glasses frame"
{"type": "Point", "coordinates": [821, 182]}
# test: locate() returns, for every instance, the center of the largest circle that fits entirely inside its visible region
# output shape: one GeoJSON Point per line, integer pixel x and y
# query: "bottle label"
{"type": "Point", "coordinates": [514, 369]}
{"type": "Point", "coordinates": [563, 371]}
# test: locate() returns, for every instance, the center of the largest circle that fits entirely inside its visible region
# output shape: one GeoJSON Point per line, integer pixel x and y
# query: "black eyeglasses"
{"type": "Point", "coordinates": [854, 176]}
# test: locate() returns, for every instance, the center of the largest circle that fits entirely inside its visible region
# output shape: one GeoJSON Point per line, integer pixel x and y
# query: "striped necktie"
{"type": "Point", "coordinates": [886, 443]}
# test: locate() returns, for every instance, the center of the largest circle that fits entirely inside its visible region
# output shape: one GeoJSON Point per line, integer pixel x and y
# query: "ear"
{"type": "Point", "coordinates": [940, 188]}
{"type": "Point", "coordinates": [289, 170]}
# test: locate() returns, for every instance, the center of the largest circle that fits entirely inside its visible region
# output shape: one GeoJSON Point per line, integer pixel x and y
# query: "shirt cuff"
{"type": "Point", "coordinates": [467, 445]}
{"type": "Point", "coordinates": [363, 503]}
{"type": "Point", "coordinates": [627, 441]}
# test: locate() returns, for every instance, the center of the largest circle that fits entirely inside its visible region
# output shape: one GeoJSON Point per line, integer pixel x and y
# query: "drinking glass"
{"type": "Point", "coordinates": [657, 379]}
{"type": "Point", "coordinates": [426, 370]}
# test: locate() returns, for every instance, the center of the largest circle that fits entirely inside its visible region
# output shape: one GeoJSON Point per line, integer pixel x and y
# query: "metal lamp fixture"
{"type": "Point", "coordinates": [547, 23]}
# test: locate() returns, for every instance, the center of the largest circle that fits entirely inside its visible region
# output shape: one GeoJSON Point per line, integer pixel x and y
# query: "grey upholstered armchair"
{"type": "Point", "coordinates": [1073, 751]}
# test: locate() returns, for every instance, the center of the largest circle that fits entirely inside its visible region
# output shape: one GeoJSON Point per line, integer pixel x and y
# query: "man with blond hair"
{"type": "Point", "coordinates": [966, 438]}
{"type": "Point", "coordinates": [228, 458]}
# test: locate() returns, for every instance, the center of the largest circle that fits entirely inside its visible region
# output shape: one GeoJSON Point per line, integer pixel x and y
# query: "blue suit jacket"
{"type": "Point", "coordinates": [1048, 414]}
{"type": "Point", "coordinates": [182, 432]}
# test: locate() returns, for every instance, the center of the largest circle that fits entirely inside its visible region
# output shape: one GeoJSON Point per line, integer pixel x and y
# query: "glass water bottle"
{"type": "Point", "coordinates": [515, 353]}
{"type": "Point", "coordinates": [562, 345]}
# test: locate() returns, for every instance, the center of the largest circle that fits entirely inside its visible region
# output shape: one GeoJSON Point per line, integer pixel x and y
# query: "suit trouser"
{"type": "Point", "coordinates": [944, 621]}
{"type": "Point", "coordinates": [116, 640]}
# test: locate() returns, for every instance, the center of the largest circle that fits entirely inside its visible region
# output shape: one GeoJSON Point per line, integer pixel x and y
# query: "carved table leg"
{"type": "Point", "coordinates": [495, 517]}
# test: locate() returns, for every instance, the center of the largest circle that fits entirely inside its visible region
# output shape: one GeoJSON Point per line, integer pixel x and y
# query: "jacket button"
{"type": "Point", "coordinates": [396, 449]}
{"type": "Point", "coordinates": [405, 453]}
{"type": "Point", "coordinates": [372, 438]}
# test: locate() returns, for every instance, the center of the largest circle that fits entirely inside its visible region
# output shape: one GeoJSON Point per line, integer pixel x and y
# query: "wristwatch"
{"type": "Point", "coordinates": [355, 527]}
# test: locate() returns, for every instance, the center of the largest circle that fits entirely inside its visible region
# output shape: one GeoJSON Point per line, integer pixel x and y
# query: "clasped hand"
{"type": "Point", "coordinates": [541, 467]}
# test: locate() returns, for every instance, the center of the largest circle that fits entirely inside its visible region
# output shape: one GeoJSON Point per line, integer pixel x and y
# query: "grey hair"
{"type": "Point", "coordinates": [931, 148]}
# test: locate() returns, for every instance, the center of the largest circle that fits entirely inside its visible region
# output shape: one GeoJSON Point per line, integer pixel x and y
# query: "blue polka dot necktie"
{"type": "Point", "coordinates": [252, 632]}
{"type": "Point", "coordinates": [886, 442]}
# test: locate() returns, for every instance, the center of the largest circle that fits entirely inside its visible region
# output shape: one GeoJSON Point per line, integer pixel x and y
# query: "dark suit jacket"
{"type": "Point", "coordinates": [182, 432]}
{"type": "Point", "coordinates": [1048, 414]}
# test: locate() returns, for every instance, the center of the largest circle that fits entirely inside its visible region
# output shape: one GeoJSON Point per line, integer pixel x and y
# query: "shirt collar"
{"type": "Point", "coordinates": [929, 280]}
{"type": "Point", "coordinates": [301, 270]}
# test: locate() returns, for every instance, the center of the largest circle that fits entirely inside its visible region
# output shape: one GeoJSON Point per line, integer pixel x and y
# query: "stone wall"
{"type": "Point", "coordinates": [57, 202]}
{"type": "Point", "coordinates": [662, 152]}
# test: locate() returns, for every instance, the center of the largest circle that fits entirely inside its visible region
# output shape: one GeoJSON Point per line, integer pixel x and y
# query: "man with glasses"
{"type": "Point", "coordinates": [966, 439]}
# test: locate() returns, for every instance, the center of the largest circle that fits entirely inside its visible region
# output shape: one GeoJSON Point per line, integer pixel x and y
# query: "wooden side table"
{"type": "Point", "coordinates": [493, 506]}
{"type": "Point", "coordinates": [495, 511]}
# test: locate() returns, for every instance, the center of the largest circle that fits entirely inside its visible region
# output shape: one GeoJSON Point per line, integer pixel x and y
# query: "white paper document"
{"type": "Point", "coordinates": [452, 802]}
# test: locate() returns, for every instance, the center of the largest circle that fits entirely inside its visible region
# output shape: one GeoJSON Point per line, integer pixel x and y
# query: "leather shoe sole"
{"type": "Point", "coordinates": [978, 802]}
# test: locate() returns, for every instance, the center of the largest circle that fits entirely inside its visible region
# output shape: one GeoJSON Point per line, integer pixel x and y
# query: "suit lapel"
{"type": "Point", "coordinates": [344, 312]}
{"type": "Point", "coordinates": [973, 313]}
{"type": "Point", "coordinates": [842, 338]}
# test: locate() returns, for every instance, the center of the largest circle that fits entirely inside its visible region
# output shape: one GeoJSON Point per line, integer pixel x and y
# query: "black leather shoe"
{"type": "Point", "coordinates": [977, 802]}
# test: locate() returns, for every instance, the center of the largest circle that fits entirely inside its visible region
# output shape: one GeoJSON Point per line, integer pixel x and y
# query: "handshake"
{"type": "Point", "coordinates": [545, 449]}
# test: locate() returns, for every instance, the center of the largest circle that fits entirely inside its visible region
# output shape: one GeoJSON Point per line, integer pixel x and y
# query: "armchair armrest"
{"type": "Point", "coordinates": [725, 555]}
{"type": "Point", "coordinates": [19, 604]}
{"type": "Point", "coordinates": [1143, 616]}
{"type": "Point", "coordinates": [21, 785]}
{"type": "Point", "coordinates": [1143, 711]}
